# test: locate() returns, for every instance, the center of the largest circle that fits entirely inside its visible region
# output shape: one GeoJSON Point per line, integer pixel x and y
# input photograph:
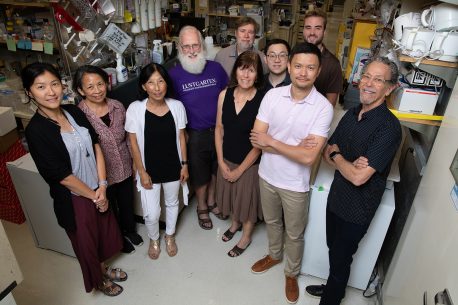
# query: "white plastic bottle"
{"type": "Point", "coordinates": [121, 70]}
{"type": "Point", "coordinates": [158, 56]}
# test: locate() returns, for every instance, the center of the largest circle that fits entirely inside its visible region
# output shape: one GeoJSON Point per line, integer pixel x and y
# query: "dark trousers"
{"type": "Point", "coordinates": [121, 197]}
{"type": "Point", "coordinates": [96, 239]}
{"type": "Point", "coordinates": [342, 238]}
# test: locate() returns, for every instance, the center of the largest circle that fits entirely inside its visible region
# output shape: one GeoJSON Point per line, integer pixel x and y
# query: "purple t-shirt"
{"type": "Point", "coordinates": [199, 93]}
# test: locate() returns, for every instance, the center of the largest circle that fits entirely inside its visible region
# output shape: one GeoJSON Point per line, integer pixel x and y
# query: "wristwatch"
{"type": "Point", "coordinates": [184, 162]}
{"type": "Point", "coordinates": [333, 154]}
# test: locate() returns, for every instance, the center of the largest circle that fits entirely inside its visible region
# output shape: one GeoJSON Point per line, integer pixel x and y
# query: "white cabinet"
{"type": "Point", "coordinates": [33, 193]}
{"type": "Point", "coordinates": [315, 261]}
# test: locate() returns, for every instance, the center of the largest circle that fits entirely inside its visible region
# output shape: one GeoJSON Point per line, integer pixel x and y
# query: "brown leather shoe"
{"type": "Point", "coordinates": [264, 264]}
{"type": "Point", "coordinates": [291, 290]}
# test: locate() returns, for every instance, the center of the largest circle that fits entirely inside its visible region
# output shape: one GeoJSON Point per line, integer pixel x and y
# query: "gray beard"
{"type": "Point", "coordinates": [242, 47]}
{"type": "Point", "coordinates": [195, 66]}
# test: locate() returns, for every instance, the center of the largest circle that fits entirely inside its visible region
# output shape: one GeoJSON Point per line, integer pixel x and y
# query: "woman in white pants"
{"type": "Point", "coordinates": [156, 131]}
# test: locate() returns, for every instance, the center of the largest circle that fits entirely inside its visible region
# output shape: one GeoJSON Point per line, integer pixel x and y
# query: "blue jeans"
{"type": "Point", "coordinates": [342, 238]}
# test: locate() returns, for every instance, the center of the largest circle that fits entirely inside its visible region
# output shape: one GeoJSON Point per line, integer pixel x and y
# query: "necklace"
{"type": "Point", "coordinates": [47, 116]}
{"type": "Point", "coordinates": [240, 98]}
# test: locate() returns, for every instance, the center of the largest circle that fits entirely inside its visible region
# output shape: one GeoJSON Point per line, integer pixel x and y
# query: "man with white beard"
{"type": "Point", "coordinates": [245, 33]}
{"type": "Point", "coordinates": [197, 83]}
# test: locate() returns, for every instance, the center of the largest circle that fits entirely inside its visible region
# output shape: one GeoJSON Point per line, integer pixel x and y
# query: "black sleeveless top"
{"type": "Point", "coordinates": [237, 127]}
{"type": "Point", "coordinates": [162, 162]}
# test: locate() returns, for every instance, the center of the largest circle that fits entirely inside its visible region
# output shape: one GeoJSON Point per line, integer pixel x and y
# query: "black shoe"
{"type": "Point", "coordinates": [127, 247]}
{"type": "Point", "coordinates": [315, 290]}
{"type": "Point", "coordinates": [134, 238]}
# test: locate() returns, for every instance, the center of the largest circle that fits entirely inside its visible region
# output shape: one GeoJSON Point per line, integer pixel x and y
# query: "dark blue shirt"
{"type": "Point", "coordinates": [377, 137]}
{"type": "Point", "coordinates": [267, 85]}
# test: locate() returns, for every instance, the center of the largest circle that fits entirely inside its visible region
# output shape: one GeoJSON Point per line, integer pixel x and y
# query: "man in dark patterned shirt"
{"type": "Point", "coordinates": [361, 150]}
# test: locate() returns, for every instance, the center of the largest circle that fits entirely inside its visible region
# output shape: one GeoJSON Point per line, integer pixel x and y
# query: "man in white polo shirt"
{"type": "Point", "coordinates": [287, 115]}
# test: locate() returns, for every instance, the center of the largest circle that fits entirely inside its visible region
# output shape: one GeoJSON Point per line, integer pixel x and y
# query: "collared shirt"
{"type": "Point", "coordinates": [227, 56]}
{"type": "Point", "coordinates": [268, 85]}
{"type": "Point", "coordinates": [330, 79]}
{"type": "Point", "coordinates": [377, 137]}
{"type": "Point", "coordinates": [290, 122]}
{"type": "Point", "coordinates": [113, 140]}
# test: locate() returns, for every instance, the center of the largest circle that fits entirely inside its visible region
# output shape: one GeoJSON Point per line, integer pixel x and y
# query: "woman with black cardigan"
{"type": "Point", "coordinates": [65, 149]}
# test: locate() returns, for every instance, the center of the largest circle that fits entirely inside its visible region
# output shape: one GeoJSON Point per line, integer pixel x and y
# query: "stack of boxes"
{"type": "Point", "coordinates": [10, 149]}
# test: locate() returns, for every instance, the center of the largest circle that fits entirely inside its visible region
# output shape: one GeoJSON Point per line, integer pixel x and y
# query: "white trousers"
{"type": "Point", "coordinates": [152, 208]}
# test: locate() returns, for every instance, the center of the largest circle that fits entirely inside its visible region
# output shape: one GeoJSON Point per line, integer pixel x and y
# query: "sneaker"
{"type": "Point", "coordinates": [134, 238]}
{"type": "Point", "coordinates": [315, 290]}
{"type": "Point", "coordinates": [264, 264]}
{"type": "Point", "coordinates": [127, 247]}
{"type": "Point", "coordinates": [291, 290]}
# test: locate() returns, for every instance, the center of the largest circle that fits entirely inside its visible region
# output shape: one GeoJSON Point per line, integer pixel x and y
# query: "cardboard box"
{"type": "Point", "coordinates": [7, 120]}
{"type": "Point", "coordinates": [413, 100]}
{"type": "Point", "coordinates": [422, 78]}
{"type": "Point", "coordinates": [8, 140]}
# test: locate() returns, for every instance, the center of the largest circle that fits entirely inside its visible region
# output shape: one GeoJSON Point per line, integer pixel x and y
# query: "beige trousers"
{"type": "Point", "coordinates": [294, 206]}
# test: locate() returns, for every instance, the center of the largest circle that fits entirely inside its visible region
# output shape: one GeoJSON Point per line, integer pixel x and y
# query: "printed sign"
{"type": "Point", "coordinates": [115, 38]}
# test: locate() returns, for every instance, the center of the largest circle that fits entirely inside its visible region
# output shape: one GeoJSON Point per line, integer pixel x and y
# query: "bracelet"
{"type": "Point", "coordinates": [184, 162]}
{"type": "Point", "coordinates": [103, 183]}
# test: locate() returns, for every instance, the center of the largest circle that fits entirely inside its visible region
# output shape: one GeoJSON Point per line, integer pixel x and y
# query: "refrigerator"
{"type": "Point", "coordinates": [33, 193]}
{"type": "Point", "coordinates": [315, 261]}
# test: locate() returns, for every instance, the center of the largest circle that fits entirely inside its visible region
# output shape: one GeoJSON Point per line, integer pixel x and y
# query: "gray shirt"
{"type": "Point", "coordinates": [79, 146]}
{"type": "Point", "coordinates": [227, 56]}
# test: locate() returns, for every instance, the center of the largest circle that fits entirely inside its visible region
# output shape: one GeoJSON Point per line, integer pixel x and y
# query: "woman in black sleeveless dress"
{"type": "Point", "coordinates": [237, 187]}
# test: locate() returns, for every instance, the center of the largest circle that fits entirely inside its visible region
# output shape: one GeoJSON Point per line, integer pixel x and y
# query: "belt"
{"type": "Point", "coordinates": [191, 130]}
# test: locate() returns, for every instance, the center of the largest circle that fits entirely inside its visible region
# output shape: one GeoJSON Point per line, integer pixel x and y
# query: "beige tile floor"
{"type": "Point", "coordinates": [201, 273]}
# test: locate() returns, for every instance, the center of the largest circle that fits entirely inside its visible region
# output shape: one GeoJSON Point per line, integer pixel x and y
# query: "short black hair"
{"type": "Point", "coordinates": [277, 41]}
{"type": "Point", "coordinates": [305, 48]}
{"type": "Point", "coordinates": [146, 73]}
{"type": "Point", "coordinates": [33, 70]}
{"type": "Point", "coordinates": [78, 77]}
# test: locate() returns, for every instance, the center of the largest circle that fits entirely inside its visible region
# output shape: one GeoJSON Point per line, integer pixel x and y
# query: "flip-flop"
{"type": "Point", "coordinates": [229, 234]}
{"type": "Point", "coordinates": [109, 289]}
{"type": "Point", "coordinates": [117, 274]}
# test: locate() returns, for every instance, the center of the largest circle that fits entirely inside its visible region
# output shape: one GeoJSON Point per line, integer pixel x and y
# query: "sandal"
{"type": "Point", "coordinates": [110, 288]}
{"type": "Point", "coordinates": [227, 236]}
{"type": "Point", "coordinates": [218, 215]}
{"type": "Point", "coordinates": [205, 220]}
{"type": "Point", "coordinates": [170, 245]}
{"type": "Point", "coordinates": [154, 249]}
{"type": "Point", "coordinates": [236, 251]}
{"type": "Point", "coordinates": [115, 274]}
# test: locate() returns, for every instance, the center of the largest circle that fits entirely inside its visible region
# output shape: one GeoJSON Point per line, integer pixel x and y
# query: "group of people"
{"type": "Point", "coordinates": [245, 128]}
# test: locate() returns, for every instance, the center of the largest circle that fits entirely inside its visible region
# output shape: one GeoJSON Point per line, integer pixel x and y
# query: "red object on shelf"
{"type": "Point", "coordinates": [10, 207]}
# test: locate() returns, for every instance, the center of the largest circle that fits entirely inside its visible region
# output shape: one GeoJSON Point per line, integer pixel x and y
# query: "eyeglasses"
{"type": "Point", "coordinates": [188, 47]}
{"type": "Point", "coordinates": [365, 78]}
{"type": "Point", "coordinates": [281, 56]}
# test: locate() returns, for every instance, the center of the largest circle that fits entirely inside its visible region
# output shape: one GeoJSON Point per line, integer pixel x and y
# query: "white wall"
{"type": "Point", "coordinates": [426, 258]}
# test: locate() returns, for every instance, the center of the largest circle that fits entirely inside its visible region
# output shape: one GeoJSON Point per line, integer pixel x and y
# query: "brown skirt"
{"type": "Point", "coordinates": [241, 198]}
